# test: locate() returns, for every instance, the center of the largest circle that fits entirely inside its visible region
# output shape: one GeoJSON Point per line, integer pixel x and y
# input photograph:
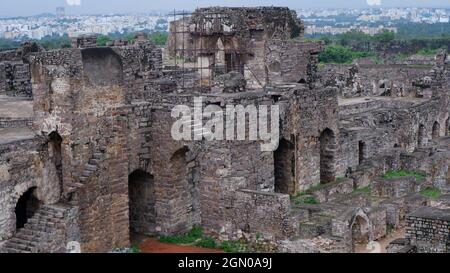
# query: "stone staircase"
{"type": "Point", "coordinates": [39, 232]}
{"type": "Point", "coordinates": [88, 170]}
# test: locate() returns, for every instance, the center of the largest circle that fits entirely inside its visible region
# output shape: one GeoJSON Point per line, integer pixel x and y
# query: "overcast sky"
{"type": "Point", "coordinates": [32, 7]}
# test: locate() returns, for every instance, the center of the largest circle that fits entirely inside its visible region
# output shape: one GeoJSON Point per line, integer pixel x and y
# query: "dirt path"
{"type": "Point", "coordinates": [383, 243]}
{"type": "Point", "coordinates": [152, 245]}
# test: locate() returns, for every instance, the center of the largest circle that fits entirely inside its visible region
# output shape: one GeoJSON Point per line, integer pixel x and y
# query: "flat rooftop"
{"type": "Point", "coordinates": [431, 213]}
{"type": "Point", "coordinates": [14, 107]}
{"type": "Point", "coordinates": [361, 100]}
{"type": "Point", "coordinates": [9, 135]}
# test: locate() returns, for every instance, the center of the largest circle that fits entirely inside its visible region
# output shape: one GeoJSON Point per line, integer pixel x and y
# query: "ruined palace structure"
{"type": "Point", "coordinates": [87, 157]}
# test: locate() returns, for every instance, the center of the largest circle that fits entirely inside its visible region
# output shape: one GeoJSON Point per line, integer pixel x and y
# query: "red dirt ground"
{"type": "Point", "coordinates": [152, 245]}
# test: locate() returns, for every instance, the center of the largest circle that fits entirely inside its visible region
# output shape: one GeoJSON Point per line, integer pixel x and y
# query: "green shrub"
{"type": "Point", "coordinates": [188, 238]}
{"type": "Point", "coordinates": [403, 173]}
{"type": "Point", "coordinates": [233, 247]}
{"type": "Point", "coordinates": [135, 249]}
{"type": "Point", "coordinates": [433, 193]}
{"type": "Point", "coordinates": [341, 54]}
{"type": "Point", "coordinates": [367, 190]}
{"type": "Point", "coordinates": [206, 242]}
{"type": "Point", "coordinates": [304, 199]}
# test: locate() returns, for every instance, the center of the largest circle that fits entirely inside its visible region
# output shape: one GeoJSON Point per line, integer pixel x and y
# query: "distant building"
{"type": "Point", "coordinates": [60, 12]}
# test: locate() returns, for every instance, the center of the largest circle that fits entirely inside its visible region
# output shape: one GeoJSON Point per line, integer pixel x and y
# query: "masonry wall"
{"type": "Point", "coordinates": [428, 230]}
{"type": "Point", "coordinates": [24, 165]}
{"type": "Point", "coordinates": [291, 61]}
{"type": "Point", "coordinates": [310, 113]}
{"type": "Point", "coordinates": [379, 80]}
{"type": "Point", "coordinates": [78, 101]}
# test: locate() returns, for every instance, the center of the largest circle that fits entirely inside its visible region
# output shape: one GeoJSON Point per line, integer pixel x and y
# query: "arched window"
{"type": "Point", "coordinates": [327, 156]}
{"type": "Point", "coordinates": [142, 211]}
{"type": "Point", "coordinates": [26, 207]}
{"type": "Point", "coordinates": [447, 127]}
{"type": "Point", "coordinates": [55, 151]}
{"type": "Point", "coordinates": [360, 231]}
{"type": "Point", "coordinates": [362, 153]}
{"type": "Point", "coordinates": [284, 166]}
{"type": "Point", "coordinates": [436, 130]}
{"type": "Point", "coordinates": [421, 138]}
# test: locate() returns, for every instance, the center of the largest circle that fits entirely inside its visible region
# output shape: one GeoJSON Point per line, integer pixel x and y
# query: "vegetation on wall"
{"type": "Point", "coordinates": [57, 42]}
{"type": "Point", "coordinates": [392, 174]}
{"type": "Point", "coordinates": [432, 193]}
{"type": "Point", "coordinates": [341, 54]}
{"type": "Point", "coordinates": [345, 48]}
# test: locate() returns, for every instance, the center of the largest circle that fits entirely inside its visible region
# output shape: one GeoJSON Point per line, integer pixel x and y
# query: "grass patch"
{"type": "Point", "coordinates": [189, 238]}
{"type": "Point", "coordinates": [433, 193]}
{"type": "Point", "coordinates": [404, 173]}
{"type": "Point", "coordinates": [135, 249]}
{"type": "Point", "coordinates": [194, 237]}
{"type": "Point", "coordinates": [206, 242]}
{"type": "Point", "coordinates": [304, 199]}
{"type": "Point", "coordinates": [341, 54]}
{"type": "Point", "coordinates": [366, 190]}
{"type": "Point", "coordinates": [233, 247]}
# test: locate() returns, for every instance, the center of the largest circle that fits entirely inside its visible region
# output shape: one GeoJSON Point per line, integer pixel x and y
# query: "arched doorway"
{"type": "Point", "coordinates": [284, 166]}
{"type": "Point", "coordinates": [26, 207]}
{"type": "Point", "coordinates": [361, 152]}
{"type": "Point", "coordinates": [447, 127]}
{"type": "Point", "coordinates": [327, 156]}
{"type": "Point", "coordinates": [55, 142]}
{"type": "Point", "coordinates": [184, 179]}
{"type": "Point", "coordinates": [142, 211]}
{"type": "Point", "coordinates": [421, 136]}
{"type": "Point", "coordinates": [360, 231]}
{"type": "Point", "coordinates": [436, 130]}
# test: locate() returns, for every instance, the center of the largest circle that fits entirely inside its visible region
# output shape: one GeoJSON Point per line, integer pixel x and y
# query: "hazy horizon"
{"type": "Point", "coordinates": [33, 7]}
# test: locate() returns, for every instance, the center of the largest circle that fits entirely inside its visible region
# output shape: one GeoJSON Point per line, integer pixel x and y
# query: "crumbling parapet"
{"type": "Point", "coordinates": [84, 41]}
{"type": "Point", "coordinates": [428, 229]}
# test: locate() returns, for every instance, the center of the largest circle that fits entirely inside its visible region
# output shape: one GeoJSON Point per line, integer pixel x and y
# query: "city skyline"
{"type": "Point", "coordinates": [77, 7]}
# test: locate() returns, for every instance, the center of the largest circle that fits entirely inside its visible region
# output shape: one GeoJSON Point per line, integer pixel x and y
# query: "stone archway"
{"type": "Point", "coordinates": [436, 131]}
{"type": "Point", "coordinates": [362, 152]}
{"type": "Point", "coordinates": [142, 201]}
{"type": "Point", "coordinates": [421, 137]}
{"type": "Point", "coordinates": [184, 185]}
{"type": "Point", "coordinates": [284, 167]}
{"type": "Point", "coordinates": [27, 205]}
{"type": "Point", "coordinates": [327, 156]}
{"type": "Point", "coordinates": [360, 231]}
{"type": "Point", "coordinates": [447, 127]}
{"type": "Point", "coordinates": [55, 152]}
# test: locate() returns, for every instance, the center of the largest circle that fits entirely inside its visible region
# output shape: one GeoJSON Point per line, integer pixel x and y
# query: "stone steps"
{"type": "Point", "coordinates": [89, 169]}
{"type": "Point", "coordinates": [44, 224]}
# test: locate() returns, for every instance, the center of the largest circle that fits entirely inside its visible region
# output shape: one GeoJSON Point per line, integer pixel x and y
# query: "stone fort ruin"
{"type": "Point", "coordinates": [87, 157]}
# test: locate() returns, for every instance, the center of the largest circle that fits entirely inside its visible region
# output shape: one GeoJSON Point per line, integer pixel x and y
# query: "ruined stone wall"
{"type": "Point", "coordinates": [198, 190]}
{"type": "Point", "coordinates": [142, 65]}
{"type": "Point", "coordinates": [15, 70]}
{"type": "Point", "coordinates": [428, 230]}
{"type": "Point", "coordinates": [291, 61]}
{"type": "Point", "coordinates": [395, 188]}
{"type": "Point", "coordinates": [81, 100]}
{"type": "Point", "coordinates": [15, 79]}
{"type": "Point", "coordinates": [379, 80]}
{"type": "Point", "coordinates": [377, 127]}
{"type": "Point", "coordinates": [218, 40]}
{"type": "Point", "coordinates": [2, 78]}
{"type": "Point", "coordinates": [278, 22]}
{"type": "Point", "coordinates": [7, 122]}
{"type": "Point", "coordinates": [23, 165]}
{"type": "Point", "coordinates": [254, 212]}
{"type": "Point", "coordinates": [309, 114]}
